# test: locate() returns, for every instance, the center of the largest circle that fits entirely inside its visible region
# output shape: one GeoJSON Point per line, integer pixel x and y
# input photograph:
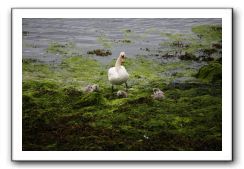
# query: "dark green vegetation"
{"type": "Point", "coordinates": [211, 73]}
{"type": "Point", "coordinates": [204, 44]}
{"type": "Point", "coordinates": [59, 115]}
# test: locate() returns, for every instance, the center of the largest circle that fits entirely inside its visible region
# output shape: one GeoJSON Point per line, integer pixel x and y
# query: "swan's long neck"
{"type": "Point", "coordinates": [118, 62]}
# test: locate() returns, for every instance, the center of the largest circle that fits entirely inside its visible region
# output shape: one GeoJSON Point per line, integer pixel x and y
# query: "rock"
{"type": "Point", "coordinates": [217, 45]}
{"type": "Point", "coordinates": [100, 52]}
{"type": "Point", "coordinates": [188, 56]}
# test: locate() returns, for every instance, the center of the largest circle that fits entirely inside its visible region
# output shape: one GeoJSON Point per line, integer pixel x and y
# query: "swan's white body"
{"type": "Point", "coordinates": [118, 75]}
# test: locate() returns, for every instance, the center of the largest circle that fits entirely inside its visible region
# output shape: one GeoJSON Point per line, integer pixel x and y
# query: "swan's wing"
{"type": "Point", "coordinates": [124, 71]}
{"type": "Point", "coordinates": [112, 73]}
{"type": "Point", "coordinates": [117, 76]}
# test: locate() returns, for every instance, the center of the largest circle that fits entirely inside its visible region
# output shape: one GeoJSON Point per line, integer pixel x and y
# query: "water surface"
{"type": "Point", "coordinates": [90, 34]}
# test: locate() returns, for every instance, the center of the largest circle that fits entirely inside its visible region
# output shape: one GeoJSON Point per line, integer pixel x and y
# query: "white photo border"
{"type": "Point", "coordinates": [224, 13]}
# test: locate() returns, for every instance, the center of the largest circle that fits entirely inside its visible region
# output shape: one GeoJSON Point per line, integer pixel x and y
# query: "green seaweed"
{"type": "Point", "coordinates": [61, 48]}
{"type": "Point", "coordinates": [105, 41]}
{"type": "Point", "coordinates": [210, 33]}
{"type": "Point", "coordinates": [59, 115]}
{"type": "Point", "coordinates": [204, 43]}
{"type": "Point", "coordinates": [211, 72]}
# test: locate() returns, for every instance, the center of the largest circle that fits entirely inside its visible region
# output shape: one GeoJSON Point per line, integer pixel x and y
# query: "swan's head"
{"type": "Point", "coordinates": [122, 57]}
{"type": "Point", "coordinates": [120, 60]}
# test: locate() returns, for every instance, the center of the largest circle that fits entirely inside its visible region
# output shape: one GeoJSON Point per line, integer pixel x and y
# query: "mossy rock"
{"type": "Point", "coordinates": [188, 56]}
{"type": "Point", "coordinates": [100, 52]}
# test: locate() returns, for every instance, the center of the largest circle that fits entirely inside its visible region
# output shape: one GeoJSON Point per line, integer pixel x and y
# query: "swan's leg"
{"type": "Point", "coordinates": [112, 88]}
{"type": "Point", "coordinates": [126, 85]}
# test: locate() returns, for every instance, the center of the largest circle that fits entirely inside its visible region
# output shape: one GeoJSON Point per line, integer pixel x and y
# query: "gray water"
{"type": "Point", "coordinates": [84, 34]}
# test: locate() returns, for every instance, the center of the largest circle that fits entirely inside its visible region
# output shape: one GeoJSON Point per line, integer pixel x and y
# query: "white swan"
{"type": "Point", "coordinates": [118, 75]}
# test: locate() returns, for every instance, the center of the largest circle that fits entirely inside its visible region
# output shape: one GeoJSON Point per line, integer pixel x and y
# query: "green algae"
{"type": "Point", "coordinates": [105, 41]}
{"type": "Point", "coordinates": [59, 115]}
{"type": "Point", "coordinates": [108, 43]}
{"type": "Point", "coordinates": [61, 48]}
{"type": "Point", "coordinates": [209, 33]}
{"type": "Point", "coordinates": [204, 43]}
{"type": "Point", "coordinates": [211, 72]}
